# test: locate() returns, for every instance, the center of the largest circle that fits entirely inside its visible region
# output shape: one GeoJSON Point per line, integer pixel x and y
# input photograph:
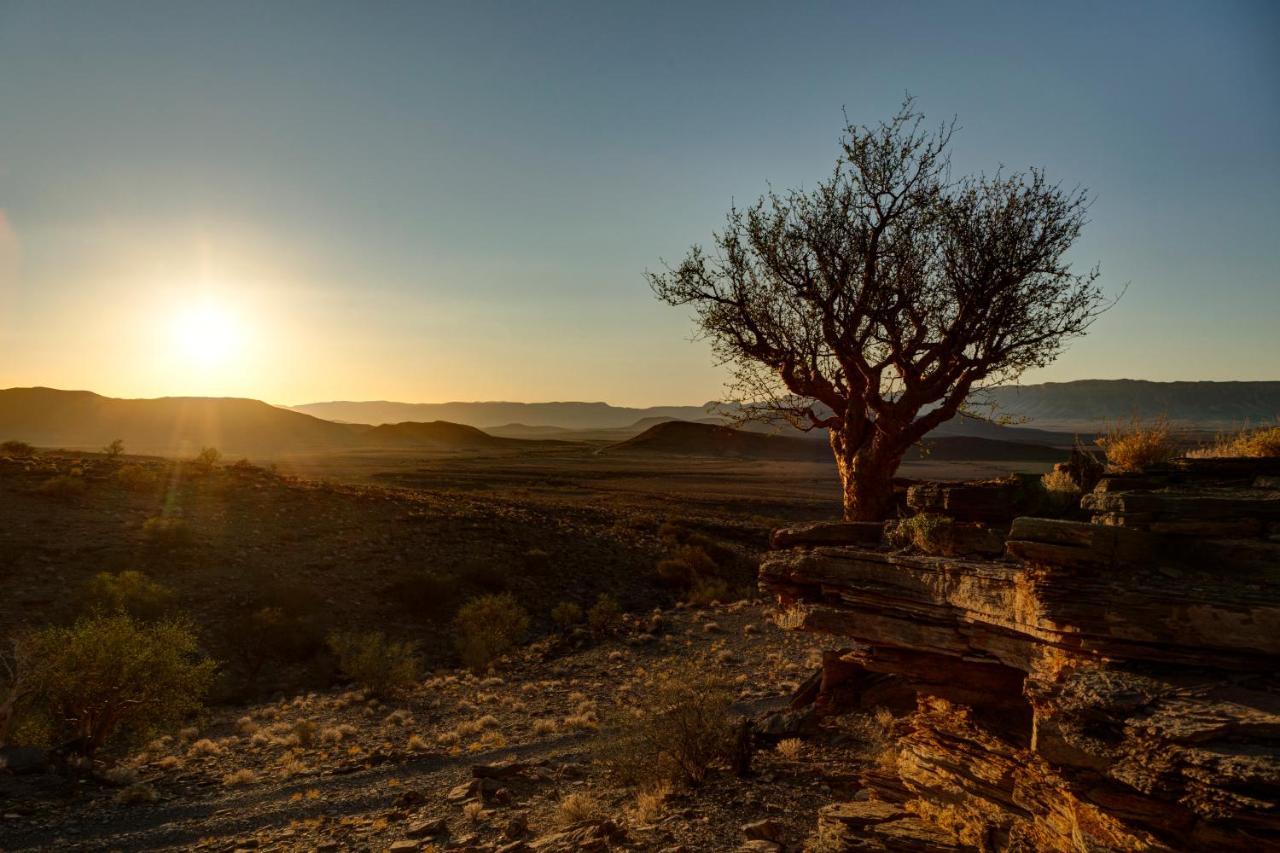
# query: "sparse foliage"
{"type": "Point", "coordinates": [566, 615]}
{"type": "Point", "coordinates": [385, 667]}
{"type": "Point", "coordinates": [207, 459]}
{"type": "Point", "coordinates": [131, 593]}
{"type": "Point", "coordinates": [678, 727]}
{"type": "Point", "coordinates": [109, 676]}
{"type": "Point", "coordinates": [1263, 441]}
{"type": "Point", "coordinates": [874, 305]}
{"type": "Point", "coordinates": [114, 449]}
{"type": "Point", "coordinates": [604, 617]}
{"type": "Point", "coordinates": [1136, 445]}
{"type": "Point", "coordinates": [488, 627]}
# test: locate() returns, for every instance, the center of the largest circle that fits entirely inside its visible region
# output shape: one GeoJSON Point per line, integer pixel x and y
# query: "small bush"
{"type": "Point", "coordinates": [207, 459]}
{"type": "Point", "coordinates": [566, 615]}
{"type": "Point", "coordinates": [385, 667]}
{"type": "Point", "coordinates": [1061, 492]}
{"type": "Point", "coordinates": [131, 593]}
{"type": "Point", "coordinates": [605, 616]}
{"type": "Point", "coordinates": [114, 449]}
{"type": "Point", "coordinates": [926, 532]}
{"type": "Point", "coordinates": [137, 478]}
{"type": "Point", "coordinates": [17, 449]}
{"type": "Point", "coordinates": [487, 628]}
{"type": "Point", "coordinates": [576, 808]}
{"type": "Point", "coordinates": [537, 561]}
{"type": "Point", "coordinates": [63, 487]}
{"type": "Point", "coordinates": [110, 677]}
{"type": "Point", "coordinates": [1135, 446]}
{"type": "Point", "coordinates": [707, 591]}
{"type": "Point", "coordinates": [1263, 442]}
{"type": "Point", "coordinates": [167, 532]}
{"type": "Point", "coordinates": [688, 563]}
{"type": "Point", "coordinates": [675, 730]}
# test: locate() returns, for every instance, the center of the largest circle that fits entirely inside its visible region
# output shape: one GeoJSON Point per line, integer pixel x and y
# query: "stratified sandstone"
{"type": "Point", "coordinates": [1112, 685]}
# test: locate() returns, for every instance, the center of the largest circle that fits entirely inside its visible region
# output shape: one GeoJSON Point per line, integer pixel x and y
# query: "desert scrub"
{"type": "Point", "coordinates": [605, 616]}
{"type": "Point", "coordinates": [167, 532]}
{"type": "Point", "coordinates": [63, 487]}
{"type": "Point", "coordinates": [488, 627]}
{"type": "Point", "coordinates": [1264, 441]}
{"type": "Point", "coordinates": [1061, 492]}
{"type": "Point", "coordinates": [925, 532]}
{"type": "Point", "coordinates": [111, 677]}
{"type": "Point", "coordinates": [131, 593]}
{"type": "Point", "coordinates": [137, 478]}
{"type": "Point", "coordinates": [384, 667]}
{"type": "Point", "coordinates": [680, 725]}
{"type": "Point", "coordinates": [16, 449]}
{"type": "Point", "coordinates": [566, 616]}
{"type": "Point", "coordinates": [1136, 445]}
{"type": "Point", "coordinates": [576, 808]}
{"type": "Point", "coordinates": [206, 460]}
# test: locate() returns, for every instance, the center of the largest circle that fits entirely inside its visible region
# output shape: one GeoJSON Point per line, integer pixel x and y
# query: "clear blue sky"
{"type": "Point", "coordinates": [431, 201]}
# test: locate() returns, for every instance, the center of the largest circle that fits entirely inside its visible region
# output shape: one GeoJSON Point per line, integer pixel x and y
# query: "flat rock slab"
{"type": "Point", "coordinates": [828, 533]}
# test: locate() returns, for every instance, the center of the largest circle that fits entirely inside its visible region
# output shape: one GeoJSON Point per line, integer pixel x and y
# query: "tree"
{"type": "Point", "coordinates": [114, 449]}
{"type": "Point", "coordinates": [875, 304]}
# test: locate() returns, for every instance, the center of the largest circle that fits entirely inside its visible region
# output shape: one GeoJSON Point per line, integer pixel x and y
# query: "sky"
{"type": "Point", "coordinates": [428, 201]}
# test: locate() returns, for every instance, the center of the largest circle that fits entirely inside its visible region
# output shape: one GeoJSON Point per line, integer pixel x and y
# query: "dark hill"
{"type": "Point", "coordinates": [683, 438]}
{"type": "Point", "coordinates": [439, 434]}
{"type": "Point", "coordinates": [84, 420]}
{"type": "Point", "coordinates": [1091, 404]}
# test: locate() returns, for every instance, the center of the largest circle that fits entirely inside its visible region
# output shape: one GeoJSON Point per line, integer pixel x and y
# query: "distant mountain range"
{"type": "Point", "coordinates": [180, 425]}
{"type": "Point", "coordinates": [1088, 405]}
{"type": "Point", "coordinates": [1093, 404]}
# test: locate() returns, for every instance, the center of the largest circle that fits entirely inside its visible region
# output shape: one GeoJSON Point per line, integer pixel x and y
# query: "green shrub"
{"type": "Point", "coordinates": [926, 532]}
{"type": "Point", "coordinates": [385, 667]}
{"type": "Point", "coordinates": [109, 677]}
{"type": "Point", "coordinates": [131, 593]}
{"type": "Point", "coordinates": [167, 532]}
{"type": "Point", "coordinates": [274, 634]}
{"type": "Point", "coordinates": [137, 478]}
{"type": "Point", "coordinates": [604, 617]}
{"type": "Point", "coordinates": [487, 628]}
{"type": "Point", "coordinates": [63, 487]}
{"type": "Point", "coordinates": [17, 448]}
{"type": "Point", "coordinates": [566, 615]}
{"type": "Point", "coordinates": [207, 459]}
{"type": "Point", "coordinates": [706, 591]}
{"type": "Point", "coordinates": [674, 730]}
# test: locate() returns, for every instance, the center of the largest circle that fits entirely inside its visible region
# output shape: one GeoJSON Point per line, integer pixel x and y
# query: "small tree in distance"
{"type": "Point", "coordinates": [874, 305]}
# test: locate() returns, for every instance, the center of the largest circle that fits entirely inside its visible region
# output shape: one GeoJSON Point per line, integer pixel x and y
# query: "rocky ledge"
{"type": "Point", "coordinates": [1111, 684]}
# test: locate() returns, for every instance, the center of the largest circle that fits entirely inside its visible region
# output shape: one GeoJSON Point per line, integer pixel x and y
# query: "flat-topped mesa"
{"type": "Point", "coordinates": [1106, 685]}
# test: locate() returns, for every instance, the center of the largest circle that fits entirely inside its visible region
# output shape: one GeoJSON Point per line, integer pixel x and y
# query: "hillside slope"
{"type": "Point", "coordinates": [82, 419]}
{"type": "Point", "coordinates": [1091, 404]}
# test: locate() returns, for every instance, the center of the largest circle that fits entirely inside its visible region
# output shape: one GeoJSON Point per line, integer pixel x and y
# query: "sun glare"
{"type": "Point", "coordinates": [207, 333]}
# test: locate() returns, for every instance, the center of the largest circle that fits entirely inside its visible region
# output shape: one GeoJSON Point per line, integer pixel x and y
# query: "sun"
{"type": "Point", "coordinates": [208, 333]}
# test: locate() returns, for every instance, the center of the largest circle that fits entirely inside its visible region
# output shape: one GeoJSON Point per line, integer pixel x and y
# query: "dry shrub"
{"type": "Point", "coordinates": [926, 532]}
{"type": "Point", "coordinates": [650, 804]}
{"type": "Point", "coordinates": [676, 729]}
{"type": "Point", "coordinates": [131, 593]}
{"type": "Point", "coordinates": [707, 591]}
{"type": "Point", "coordinates": [1264, 441]}
{"type": "Point", "coordinates": [1137, 445]}
{"type": "Point", "coordinates": [577, 808]}
{"type": "Point", "coordinates": [109, 677]}
{"type": "Point", "coordinates": [207, 459]}
{"type": "Point", "coordinates": [605, 616]}
{"type": "Point", "coordinates": [566, 615]}
{"type": "Point", "coordinates": [137, 478]}
{"type": "Point", "coordinates": [790, 748]}
{"type": "Point", "coordinates": [17, 449]}
{"type": "Point", "coordinates": [167, 532]}
{"type": "Point", "coordinates": [243, 776]}
{"type": "Point", "coordinates": [63, 487]}
{"type": "Point", "coordinates": [1061, 491]}
{"type": "Point", "coordinates": [874, 732]}
{"type": "Point", "coordinates": [488, 627]}
{"type": "Point", "coordinates": [385, 667]}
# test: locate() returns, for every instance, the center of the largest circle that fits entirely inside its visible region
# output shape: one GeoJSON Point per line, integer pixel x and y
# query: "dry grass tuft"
{"type": "Point", "coordinates": [1260, 442]}
{"type": "Point", "coordinates": [790, 748]}
{"type": "Point", "coordinates": [1137, 445]}
{"type": "Point", "coordinates": [243, 776]}
{"type": "Point", "coordinates": [576, 808]}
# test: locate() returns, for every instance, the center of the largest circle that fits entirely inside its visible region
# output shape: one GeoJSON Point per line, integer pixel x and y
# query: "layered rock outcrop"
{"type": "Point", "coordinates": [1111, 684]}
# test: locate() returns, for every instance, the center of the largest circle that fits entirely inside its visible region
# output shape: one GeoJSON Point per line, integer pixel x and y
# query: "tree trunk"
{"type": "Point", "coordinates": [866, 478]}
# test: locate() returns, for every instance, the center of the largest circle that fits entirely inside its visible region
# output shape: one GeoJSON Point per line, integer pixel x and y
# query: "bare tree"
{"type": "Point", "coordinates": [875, 304]}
